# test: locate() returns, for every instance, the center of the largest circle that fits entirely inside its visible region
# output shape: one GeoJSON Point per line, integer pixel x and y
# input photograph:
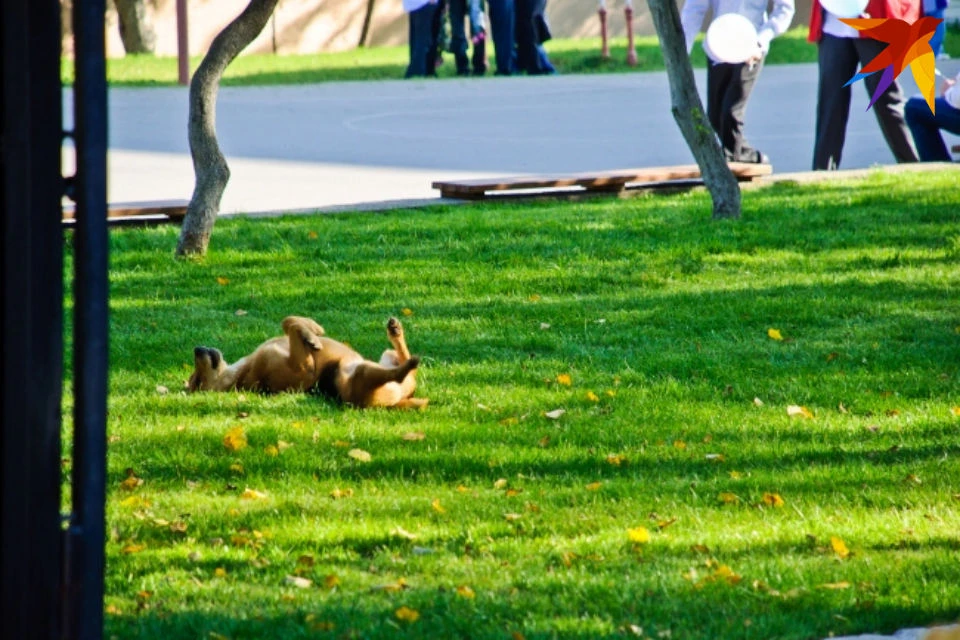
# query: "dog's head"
{"type": "Point", "coordinates": [207, 365]}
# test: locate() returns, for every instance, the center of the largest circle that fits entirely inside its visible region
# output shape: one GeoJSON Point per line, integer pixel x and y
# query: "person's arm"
{"type": "Point", "coordinates": [951, 91]}
{"type": "Point", "coordinates": [777, 22]}
{"type": "Point", "coordinates": [691, 17]}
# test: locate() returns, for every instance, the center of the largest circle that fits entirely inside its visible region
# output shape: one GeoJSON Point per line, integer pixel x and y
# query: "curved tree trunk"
{"type": "Point", "coordinates": [688, 111]}
{"type": "Point", "coordinates": [209, 165]}
{"type": "Point", "coordinates": [136, 31]}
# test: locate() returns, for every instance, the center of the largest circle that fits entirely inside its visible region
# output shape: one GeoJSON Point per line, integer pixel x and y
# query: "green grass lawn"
{"type": "Point", "coordinates": [569, 56]}
{"type": "Point", "coordinates": [675, 497]}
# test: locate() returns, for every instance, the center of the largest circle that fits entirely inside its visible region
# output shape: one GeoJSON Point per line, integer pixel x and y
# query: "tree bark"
{"type": "Point", "coordinates": [688, 111]}
{"type": "Point", "coordinates": [209, 165]}
{"type": "Point", "coordinates": [136, 32]}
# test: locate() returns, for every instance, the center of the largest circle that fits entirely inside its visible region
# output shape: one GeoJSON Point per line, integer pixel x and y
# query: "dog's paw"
{"type": "Point", "coordinates": [311, 341]}
{"type": "Point", "coordinates": [412, 363]}
{"type": "Point", "coordinates": [213, 355]}
{"type": "Point", "coordinates": [394, 328]}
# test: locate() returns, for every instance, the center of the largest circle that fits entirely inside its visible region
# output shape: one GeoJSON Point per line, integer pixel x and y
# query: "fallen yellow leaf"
{"type": "Point", "coordinates": [131, 482]}
{"type": "Point", "coordinates": [836, 585]}
{"type": "Point", "coordinates": [728, 498]}
{"type": "Point", "coordinates": [414, 436]}
{"type": "Point", "coordinates": [466, 592]}
{"type": "Point", "coordinates": [252, 494]}
{"type": "Point", "coordinates": [639, 535]}
{"type": "Point", "coordinates": [406, 614]}
{"type": "Point", "coordinates": [133, 548]}
{"type": "Point", "coordinates": [220, 572]}
{"type": "Point", "coordinates": [271, 451]}
{"type": "Point", "coordinates": [679, 444]}
{"type": "Point", "coordinates": [774, 334]}
{"type": "Point", "coordinates": [773, 500]}
{"type": "Point", "coordinates": [796, 411]}
{"type": "Point", "coordinates": [436, 506]}
{"type": "Point", "coordinates": [564, 379]}
{"type": "Point", "coordinates": [500, 483]}
{"type": "Point", "coordinates": [223, 281]}
{"type": "Point", "coordinates": [331, 581]}
{"type": "Point", "coordinates": [594, 486]}
{"type": "Point", "coordinates": [616, 459]}
{"type": "Point", "coordinates": [360, 455]}
{"type": "Point", "coordinates": [839, 547]}
{"type": "Point", "coordinates": [592, 397]}
{"type": "Point", "coordinates": [235, 439]}
{"type": "Point", "coordinates": [955, 411]}
{"type": "Point", "coordinates": [407, 312]}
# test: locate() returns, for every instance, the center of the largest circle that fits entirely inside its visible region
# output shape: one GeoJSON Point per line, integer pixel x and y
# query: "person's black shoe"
{"type": "Point", "coordinates": [751, 156]}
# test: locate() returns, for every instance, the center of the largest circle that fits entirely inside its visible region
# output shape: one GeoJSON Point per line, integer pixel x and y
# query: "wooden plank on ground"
{"type": "Point", "coordinates": [173, 209]}
{"type": "Point", "coordinates": [613, 181]}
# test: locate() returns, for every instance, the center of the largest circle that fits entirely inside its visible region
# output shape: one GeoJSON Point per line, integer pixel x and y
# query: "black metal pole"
{"type": "Point", "coordinates": [90, 357]}
{"type": "Point", "coordinates": [31, 289]}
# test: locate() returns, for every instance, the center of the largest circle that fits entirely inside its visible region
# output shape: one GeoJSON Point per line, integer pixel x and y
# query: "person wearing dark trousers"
{"type": "Point", "coordinates": [531, 32]}
{"type": "Point", "coordinates": [438, 36]}
{"type": "Point", "coordinates": [501, 28]}
{"type": "Point", "coordinates": [840, 52]}
{"type": "Point", "coordinates": [925, 125]}
{"type": "Point", "coordinates": [421, 15]}
{"type": "Point", "coordinates": [729, 84]}
{"type": "Point", "coordinates": [459, 10]}
{"type": "Point", "coordinates": [728, 89]}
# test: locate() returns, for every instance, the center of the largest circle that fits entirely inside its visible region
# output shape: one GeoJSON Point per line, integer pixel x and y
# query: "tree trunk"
{"type": "Point", "coordinates": [688, 111]}
{"type": "Point", "coordinates": [209, 165]}
{"type": "Point", "coordinates": [136, 32]}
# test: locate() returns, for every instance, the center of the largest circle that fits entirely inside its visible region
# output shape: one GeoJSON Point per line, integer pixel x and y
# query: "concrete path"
{"type": "Point", "coordinates": [357, 145]}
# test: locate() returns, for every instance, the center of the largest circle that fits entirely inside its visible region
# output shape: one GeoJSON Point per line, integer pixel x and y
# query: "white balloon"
{"type": "Point", "coordinates": [845, 8]}
{"type": "Point", "coordinates": [731, 38]}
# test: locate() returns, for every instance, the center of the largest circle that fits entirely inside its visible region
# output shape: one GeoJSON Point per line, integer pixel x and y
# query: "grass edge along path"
{"type": "Point", "coordinates": [643, 423]}
{"type": "Point", "coordinates": [571, 56]}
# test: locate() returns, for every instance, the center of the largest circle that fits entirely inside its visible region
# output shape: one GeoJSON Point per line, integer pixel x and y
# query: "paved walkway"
{"type": "Point", "coordinates": [359, 144]}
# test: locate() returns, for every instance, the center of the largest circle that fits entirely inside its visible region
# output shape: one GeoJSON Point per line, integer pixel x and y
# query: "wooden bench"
{"type": "Point", "coordinates": [152, 210]}
{"type": "Point", "coordinates": [603, 181]}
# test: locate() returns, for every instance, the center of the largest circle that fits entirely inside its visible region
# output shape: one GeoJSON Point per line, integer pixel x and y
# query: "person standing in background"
{"type": "Point", "coordinates": [729, 84]}
{"type": "Point", "coordinates": [840, 52]}
{"type": "Point", "coordinates": [459, 11]}
{"type": "Point", "coordinates": [501, 14]}
{"type": "Point", "coordinates": [936, 9]}
{"type": "Point", "coordinates": [925, 125]}
{"type": "Point", "coordinates": [420, 14]}
{"type": "Point", "coordinates": [531, 32]}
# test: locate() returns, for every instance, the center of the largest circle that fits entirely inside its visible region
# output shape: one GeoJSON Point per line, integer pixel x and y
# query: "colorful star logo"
{"type": "Point", "coordinates": [907, 44]}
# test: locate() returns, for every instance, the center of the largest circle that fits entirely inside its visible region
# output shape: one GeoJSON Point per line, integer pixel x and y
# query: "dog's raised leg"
{"type": "Point", "coordinates": [396, 338]}
{"type": "Point", "coordinates": [303, 335]}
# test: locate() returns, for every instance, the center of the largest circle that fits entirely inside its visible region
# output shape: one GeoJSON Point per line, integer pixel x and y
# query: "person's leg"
{"type": "Point", "coordinates": [837, 60]}
{"type": "Point", "coordinates": [889, 105]}
{"type": "Point", "coordinates": [925, 127]}
{"type": "Point", "coordinates": [525, 37]}
{"type": "Point", "coordinates": [718, 75]}
{"type": "Point", "coordinates": [501, 28]}
{"type": "Point", "coordinates": [434, 53]}
{"type": "Point", "coordinates": [421, 40]}
{"type": "Point", "coordinates": [458, 38]}
{"type": "Point", "coordinates": [734, 109]}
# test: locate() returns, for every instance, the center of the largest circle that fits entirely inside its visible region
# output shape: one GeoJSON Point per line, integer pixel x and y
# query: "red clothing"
{"type": "Point", "coordinates": [906, 10]}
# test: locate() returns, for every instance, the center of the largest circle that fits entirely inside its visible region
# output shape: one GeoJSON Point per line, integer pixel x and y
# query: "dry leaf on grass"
{"type": "Point", "coordinates": [360, 455]}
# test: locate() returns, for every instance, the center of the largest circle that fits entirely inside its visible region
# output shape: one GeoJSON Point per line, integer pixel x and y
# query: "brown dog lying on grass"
{"type": "Point", "coordinates": [304, 359]}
